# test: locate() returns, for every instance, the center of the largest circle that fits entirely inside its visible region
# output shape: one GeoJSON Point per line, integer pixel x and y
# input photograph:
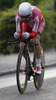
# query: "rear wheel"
{"type": "Point", "coordinates": [21, 72]}
{"type": "Point", "coordinates": [38, 79]}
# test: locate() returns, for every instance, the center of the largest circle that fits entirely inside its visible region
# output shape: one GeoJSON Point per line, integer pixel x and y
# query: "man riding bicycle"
{"type": "Point", "coordinates": [30, 23]}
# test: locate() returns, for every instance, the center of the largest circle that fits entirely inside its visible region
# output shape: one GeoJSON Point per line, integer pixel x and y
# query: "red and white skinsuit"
{"type": "Point", "coordinates": [34, 26]}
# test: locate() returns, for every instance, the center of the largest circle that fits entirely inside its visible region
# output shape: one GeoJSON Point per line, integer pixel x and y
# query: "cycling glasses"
{"type": "Point", "coordinates": [28, 16]}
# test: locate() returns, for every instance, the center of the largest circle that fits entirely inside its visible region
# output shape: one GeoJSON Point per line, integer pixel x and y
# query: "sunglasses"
{"type": "Point", "coordinates": [25, 16]}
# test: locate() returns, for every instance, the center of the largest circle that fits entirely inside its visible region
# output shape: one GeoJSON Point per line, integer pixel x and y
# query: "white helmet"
{"type": "Point", "coordinates": [25, 9]}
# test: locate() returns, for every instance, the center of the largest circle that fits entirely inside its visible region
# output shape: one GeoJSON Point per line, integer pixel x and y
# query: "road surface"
{"type": "Point", "coordinates": [9, 91]}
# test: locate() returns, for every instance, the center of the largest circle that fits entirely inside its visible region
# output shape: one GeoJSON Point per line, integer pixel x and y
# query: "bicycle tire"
{"type": "Point", "coordinates": [21, 88]}
{"type": "Point", "coordinates": [38, 79]}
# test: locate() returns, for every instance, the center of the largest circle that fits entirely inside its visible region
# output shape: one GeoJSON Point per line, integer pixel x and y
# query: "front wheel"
{"type": "Point", "coordinates": [38, 79]}
{"type": "Point", "coordinates": [21, 72]}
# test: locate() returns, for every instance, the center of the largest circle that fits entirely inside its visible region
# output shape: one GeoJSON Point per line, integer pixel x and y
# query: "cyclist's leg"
{"type": "Point", "coordinates": [21, 44]}
{"type": "Point", "coordinates": [37, 48]}
{"type": "Point", "coordinates": [37, 51]}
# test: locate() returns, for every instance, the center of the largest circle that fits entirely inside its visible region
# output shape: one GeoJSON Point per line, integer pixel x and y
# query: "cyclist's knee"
{"type": "Point", "coordinates": [21, 44]}
{"type": "Point", "coordinates": [36, 39]}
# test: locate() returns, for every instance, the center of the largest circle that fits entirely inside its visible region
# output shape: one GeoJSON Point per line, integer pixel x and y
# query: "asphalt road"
{"type": "Point", "coordinates": [8, 62]}
{"type": "Point", "coordinates": [8, 89]}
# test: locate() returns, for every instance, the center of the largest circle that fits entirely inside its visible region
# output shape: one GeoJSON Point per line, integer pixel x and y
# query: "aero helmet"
{"type": "Point", "coordinates": [25, 9]}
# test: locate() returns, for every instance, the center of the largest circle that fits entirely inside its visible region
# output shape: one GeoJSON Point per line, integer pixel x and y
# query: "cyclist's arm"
{"type": "Point", "coordinates": [18, 25]}
{"type": "Point", "coordinates": [38, 28]}
{"type": "Point", "coordinates": [32, 34]}
{"type": "Point", "coordinates": [35, 27]}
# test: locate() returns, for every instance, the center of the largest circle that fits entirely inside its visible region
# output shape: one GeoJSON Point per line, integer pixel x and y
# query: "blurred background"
{"type": "Point", "coordinates": [8, 10]}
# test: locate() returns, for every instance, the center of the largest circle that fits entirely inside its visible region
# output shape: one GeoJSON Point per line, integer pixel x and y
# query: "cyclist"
{"type": "Point", "coordinates": [30, 23]}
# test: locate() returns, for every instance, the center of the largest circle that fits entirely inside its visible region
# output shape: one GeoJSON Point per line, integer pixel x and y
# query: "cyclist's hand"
{"type": "Point", "coordinates": [16, 35]}
{"type": "Point", "coordinates": [26, 35]}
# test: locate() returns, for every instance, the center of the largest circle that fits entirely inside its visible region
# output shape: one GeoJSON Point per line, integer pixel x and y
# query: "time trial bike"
{"type": "Point", "coordinates": [26, 67]}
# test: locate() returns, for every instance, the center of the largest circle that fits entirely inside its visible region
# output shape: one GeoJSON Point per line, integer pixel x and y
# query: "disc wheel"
{"type": "Point", "coordinates": [38, 79]}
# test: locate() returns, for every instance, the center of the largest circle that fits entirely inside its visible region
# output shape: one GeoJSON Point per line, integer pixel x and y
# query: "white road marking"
{"type": "Point", "coordinates": [7, 81]}
{"type": "Point", "coordinates": [11, 81]}
{"type": "Point", "coordinates": [50, 73]}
